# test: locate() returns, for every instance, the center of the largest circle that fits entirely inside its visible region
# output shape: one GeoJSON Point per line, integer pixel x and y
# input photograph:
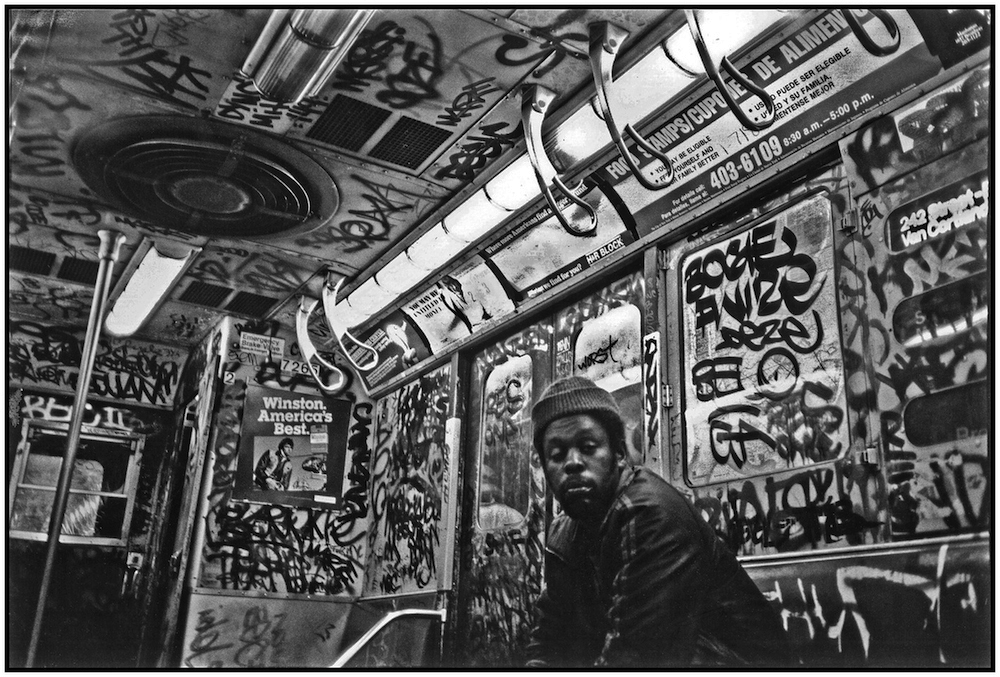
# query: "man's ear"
{"type": "Point", "coordinates": [622, 454]}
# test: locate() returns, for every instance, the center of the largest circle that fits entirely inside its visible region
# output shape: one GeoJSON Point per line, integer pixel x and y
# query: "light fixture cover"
{"type": "Point", "coordinates": [145, 285]}
{"type": "Point", "coordinates": [434, 248]}
{"type": "Point", "coordinates": [515, 186]}
{"type": "Point", "coordinates": [400, 275]}
{"type": "Point", "coordinates": [474, 218]}
{"type": "Point", "coordinates": [370, 295]}
{"type": "Point", "coordinates": [724, 30]}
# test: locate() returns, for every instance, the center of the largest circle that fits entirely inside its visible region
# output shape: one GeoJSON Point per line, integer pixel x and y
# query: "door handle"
{"type": "Point", "coordinates": [130, 581]}
{"type": "Point", "coordinates": [175, 563]}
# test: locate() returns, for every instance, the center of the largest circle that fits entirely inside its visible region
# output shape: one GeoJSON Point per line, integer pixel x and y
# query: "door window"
{"type": "Point", "coordinates": [763, 382]}
{"type": "Point", "coordinates": [599, 337]}
{"type": "Point", "coordinates": [504, 475]}
{"type": "Point", "coordinates": [504, 544]}
{"type": "Point", "coordinates": [100, 499]}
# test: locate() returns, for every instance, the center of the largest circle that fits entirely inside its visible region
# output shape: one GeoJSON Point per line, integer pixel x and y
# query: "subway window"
{"type": "Point", "coordinates": [100, 498]}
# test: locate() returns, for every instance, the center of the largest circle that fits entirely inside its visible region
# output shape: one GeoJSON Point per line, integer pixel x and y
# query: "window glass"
{"type": "Point", "coordinates": [600, 337]}
{"type": "Point", "coordinates": [942, 312]}
{"type": "Point", "coordinates": [763, 380]}
{"type": "Point", "coordinates": [98, 504]}
{"type": "Point", "coordinates": [504, 474]}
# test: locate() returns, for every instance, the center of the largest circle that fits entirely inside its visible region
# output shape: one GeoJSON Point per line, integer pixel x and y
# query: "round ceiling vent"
{"type": "Point", "coordinates": [205, 178]}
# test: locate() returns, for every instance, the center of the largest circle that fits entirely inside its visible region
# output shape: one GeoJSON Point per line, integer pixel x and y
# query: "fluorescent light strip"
{"type": "Point", "coordinates": [435, 248]}
{"type": "Point", "coordinates": [515, 186]}
{"type": "Point", "coordinates": [371, 295]}
{"type": "Point", "coordinates": [723, 35]}
{"type": "Point", "coordinates": [474, 218]}
{"type": "Point", "coordinates": [145, 289]}
{"type": "Point", "coordinates": [400, 275]}
{"type": "Point", "coordinates": [348, 316]}
{"type": "Point", "coordinates": [511, 189]}
{"type": "Point", "coordinates": [639, 92]}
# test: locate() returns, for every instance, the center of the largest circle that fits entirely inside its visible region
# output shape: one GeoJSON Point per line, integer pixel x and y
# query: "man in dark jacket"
{"type": "Point", "coordinates": [634, 576]}
{"type": "Point", "coordinates": [274, 469]}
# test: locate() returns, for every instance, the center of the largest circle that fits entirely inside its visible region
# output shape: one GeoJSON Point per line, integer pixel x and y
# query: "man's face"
{"type": "Point", "coordinates": [285, 449]}
{"type": "Point", "coordinates": [581, 467]}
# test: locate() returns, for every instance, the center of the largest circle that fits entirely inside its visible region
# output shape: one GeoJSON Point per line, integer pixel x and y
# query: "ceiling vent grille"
{"type": "Point", "coordinates": [204, 294]}
{"type": "Point", "coordinates": [255, 305]}
{"type": "Point", "coordinates": [30, 260]}
{"type": "Point", "coordinates": [348, 123]}
{"type": "Point", "coordinates": [204, 178]}
{"type": "Point", "coordinates": [78, 270]}
{"type": "Point", "coordinates": [409, 143]}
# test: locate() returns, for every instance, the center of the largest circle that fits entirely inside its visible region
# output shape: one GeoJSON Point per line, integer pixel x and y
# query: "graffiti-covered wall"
{"type": "Point", "coordinates": [128, 371]}
{"type": "Point", "coordinates": [765, 439]}
{"type": "Point", "coordinates": [922, 274]}
{"type": "Point", "coordinates": [272, 547]}
{"type": "Point", "coordinates": [898, 608]}
{"type": "Point", "coordinates": [273, 551]}
{"type": "Point", "coordinates": [409, 483]}
{"type": "Point", "coordinates": [834, 356]}
{"type": "Point", "coordinates": [255, 632]}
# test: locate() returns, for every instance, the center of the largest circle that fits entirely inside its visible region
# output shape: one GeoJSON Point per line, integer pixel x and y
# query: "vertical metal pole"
{"type": "Point", "coordinates": [111, 242]}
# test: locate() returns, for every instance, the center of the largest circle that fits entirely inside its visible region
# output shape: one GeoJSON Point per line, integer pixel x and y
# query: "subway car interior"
{"type": "Point", "coordinates": [284, 284]}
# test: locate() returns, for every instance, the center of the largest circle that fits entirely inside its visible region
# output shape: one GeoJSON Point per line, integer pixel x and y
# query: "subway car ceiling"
{"type": "Point", "coordinates": [148, 122]}
{"type": "Point", "coordinates": [345, 250]}
{"type": "Point", "coordinates": [370, 194]}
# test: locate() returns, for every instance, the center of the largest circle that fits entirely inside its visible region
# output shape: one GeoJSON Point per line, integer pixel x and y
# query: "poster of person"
{"type": "Point", "coordinates": [292, 448]}
{"type": "Point", "coordinates": [398, 343]}
{"type": "Point", "coordinates": [459, 304]}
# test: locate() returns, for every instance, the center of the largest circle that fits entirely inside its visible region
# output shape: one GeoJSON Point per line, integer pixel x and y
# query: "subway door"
{"type": "Point", "coordinates": [600, 337]}
{"type": "Point", "coordinates": [504, 509]}
{"type": "Point", "coordinates": [772, 431]}
{"type": "Point", "coordinates": [99, 591]}
{"type": "Point", "coordinates": [921, 184]}
{"type": "Point", "coordinates": [181, 490]}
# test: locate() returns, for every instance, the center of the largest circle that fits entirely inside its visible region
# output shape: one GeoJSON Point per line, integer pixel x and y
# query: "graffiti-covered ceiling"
{"type": "Point", "coordinates": [141, 120]}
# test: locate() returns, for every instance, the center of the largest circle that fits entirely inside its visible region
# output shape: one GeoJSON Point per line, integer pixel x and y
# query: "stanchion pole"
{"type": "Point", "coordinates": [111, 242]}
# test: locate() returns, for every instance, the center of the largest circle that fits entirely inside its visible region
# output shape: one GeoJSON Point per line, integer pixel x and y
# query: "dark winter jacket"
{"type": "Point", "coordinates": [654, 587]}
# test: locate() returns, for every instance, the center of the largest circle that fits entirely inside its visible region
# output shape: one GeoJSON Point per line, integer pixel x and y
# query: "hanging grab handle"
{"type": "Point", "coordinates": [865, 37]}
{"type": "Point", "coordinates": [535, 101]}
{"type": "Point", "coordinates": [605, 41]}
{"type": "Point", "coordinates": [713, 72]}
{"type": "Point", "coordinates": [339, 328]}
{"type": "Point", "coordinates": [309, 352]}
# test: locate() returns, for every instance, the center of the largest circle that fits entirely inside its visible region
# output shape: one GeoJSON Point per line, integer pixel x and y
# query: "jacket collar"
{"type": "Point", "coordinates": [627, 477]}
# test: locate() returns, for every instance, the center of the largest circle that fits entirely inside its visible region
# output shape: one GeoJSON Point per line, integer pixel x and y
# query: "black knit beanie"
{"type": "Point", "coordinates": [567, 396]}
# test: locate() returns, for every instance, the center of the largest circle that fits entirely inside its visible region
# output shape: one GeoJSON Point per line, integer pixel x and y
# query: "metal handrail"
{"type": "Point", "coordinates": [605, 41]}
{"type": "Point", "coordinates": [439, 614]}
{"type": "Point", "coordinates": [865, 38]}
{"type": "Point", "coordinates": [340, 329]}
{"type": "Point", "coordinates": [309, 352]}
{"type": "Point", "coordinates": [712, 70]}
{"type": "Point", "coordinates": [535, 102]}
